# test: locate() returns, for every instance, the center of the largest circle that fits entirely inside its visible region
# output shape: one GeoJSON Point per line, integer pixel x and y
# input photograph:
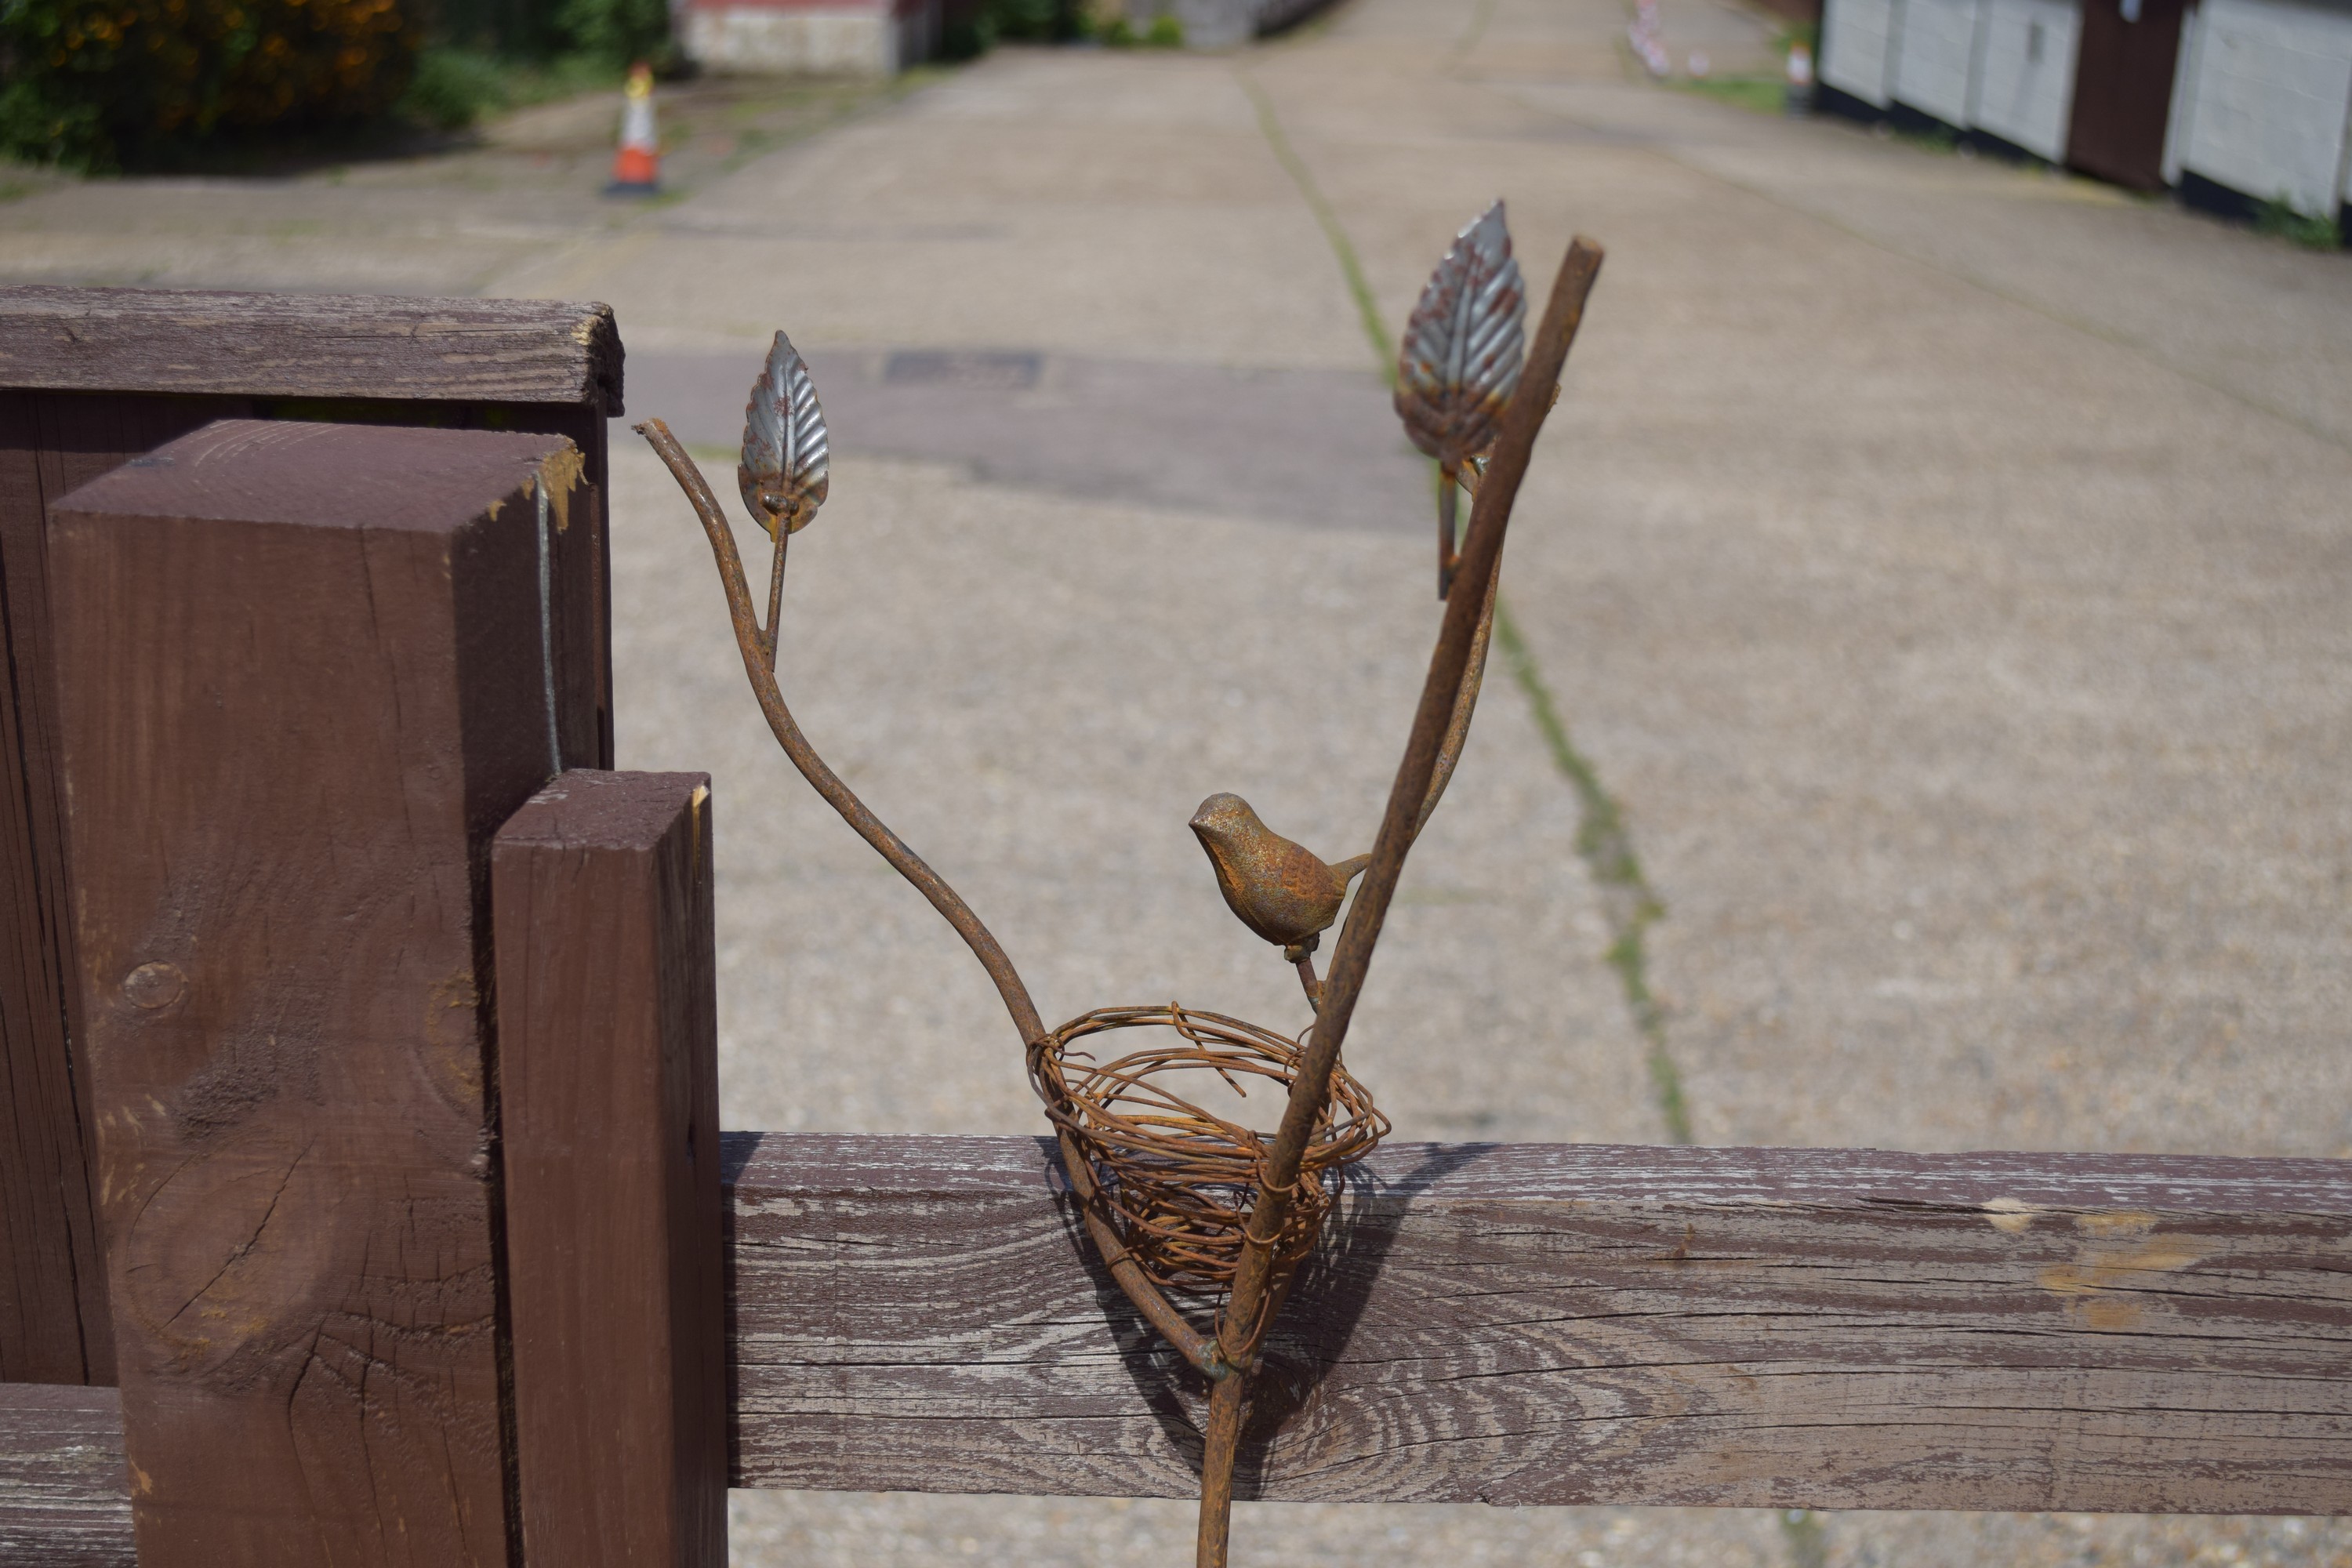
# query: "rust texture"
{"type": "Point", "coordinates": [1184, 1203]}
{"type": "Point", "coordinates": [1177, 1178]}
{"type": "Point", "coordinates": [1279, 889]}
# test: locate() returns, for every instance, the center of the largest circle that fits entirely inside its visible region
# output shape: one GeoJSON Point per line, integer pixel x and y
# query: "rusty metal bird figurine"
{"type": "Point", "coordinates": [1181, 1205]}
{"type": "Point", "coordinates": [1284, 892]}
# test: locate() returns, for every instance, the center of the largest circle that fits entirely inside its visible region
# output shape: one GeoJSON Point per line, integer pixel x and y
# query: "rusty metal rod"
{"type": "Point", "coordinates": [1244, 1322]}
{"type": "Point", "coordinates": [1449, 481]}
{"type": "Point", "coordinates": [775, 598]}
{"type": "Point", "coordinates": [758, 649]}
{"type": "Point", "coordinates": [1481, 555]}
{"type": "Point", "coordinates": [1220, 1444]}
{"type": "Point", "coordinates": [1308, 982]}
{"type": "Point", "coordinates": [1466, 703]}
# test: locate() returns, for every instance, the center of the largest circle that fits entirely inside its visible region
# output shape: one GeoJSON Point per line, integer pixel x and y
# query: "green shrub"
{"type": "Point", "coordinates": [618, 32]}
{"type": "Point", "coordinates": [1033, 21]}
{"type": "Point", "coordinates": [1165, 32]}
{"type": "Point", "coordinates": [453, 88]}
{"type": "Point", "coordinates": [98, 83]}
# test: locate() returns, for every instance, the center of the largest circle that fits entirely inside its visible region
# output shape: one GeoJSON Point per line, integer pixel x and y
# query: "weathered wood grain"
{"type": "Point", "coordinates": [1538, 1323]}
{"type": "Point", "coordinates": [301, 686]}
{"type": "Point", "coordinates": [608, 1096]}
{"type": "Point", "coordinates": [1553, 1324]}
{"type": "Point", "coordinates": [65, 1499]}
{"type": "Point", "coordinates": [53, 1314]}
{"type": "Point", "coordinates": [309, 345]}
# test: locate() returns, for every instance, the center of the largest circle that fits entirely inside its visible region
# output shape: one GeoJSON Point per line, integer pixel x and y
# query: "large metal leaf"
{"type": "Point", "coordinates": [784, 469]}
{"type": "Point", "coordinates": [1463, 345]}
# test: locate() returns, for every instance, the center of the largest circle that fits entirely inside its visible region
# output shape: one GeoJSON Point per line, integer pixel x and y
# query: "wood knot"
{"type": "Point", "coordinates": [154, 986]}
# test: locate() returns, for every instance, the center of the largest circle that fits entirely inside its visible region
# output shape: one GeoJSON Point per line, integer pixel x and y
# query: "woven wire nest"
{"type": "Point", "coordinates": [1175, 1178]}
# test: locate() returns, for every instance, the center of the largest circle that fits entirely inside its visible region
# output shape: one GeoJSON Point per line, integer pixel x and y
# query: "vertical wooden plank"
{"type": "Point", "coordinates": [300, 687]}
{"type": "Point", "coordinates": [53, 1313]}
{"type": "Point", "coordinates": [609, 1103]}
{"type": "Point", "coordinates": [47, 1239]}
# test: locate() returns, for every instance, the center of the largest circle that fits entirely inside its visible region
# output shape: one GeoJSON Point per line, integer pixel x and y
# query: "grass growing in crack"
{"type": "Point", "coordinates": [1367, 308]}
{"type": "Point", "coordinates": [1627, 901]}
{"type": "Point", "coordinates": [1628, 904]}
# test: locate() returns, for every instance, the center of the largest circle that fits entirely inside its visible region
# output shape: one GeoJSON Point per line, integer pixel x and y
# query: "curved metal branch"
{"type": "Point", "coordinates": [755, 645]}
{"type": "Point", "coordinates": [759, 651]}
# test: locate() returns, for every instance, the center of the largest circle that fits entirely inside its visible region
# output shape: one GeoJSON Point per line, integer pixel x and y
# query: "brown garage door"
{"type": "Point", "coordinates": [2123, 90]}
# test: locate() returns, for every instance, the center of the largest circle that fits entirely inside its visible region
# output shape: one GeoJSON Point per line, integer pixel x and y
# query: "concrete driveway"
{"type": "Point", "coordinates": [1940, 566]}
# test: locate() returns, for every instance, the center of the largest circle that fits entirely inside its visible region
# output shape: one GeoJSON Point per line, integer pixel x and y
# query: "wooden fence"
{"type": "Point", "coordinates": [386, 1029]}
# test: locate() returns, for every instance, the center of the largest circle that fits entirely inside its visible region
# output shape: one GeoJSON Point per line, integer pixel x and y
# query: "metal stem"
{"type": "Point", "coordinates": [1449, 485]}
{"type": "Point", "coordinates": [1189, 1342]}
{"type": "Point", "coordinates": [1220, 1445]}
{"type": "Point", "coordinates": [775, 596]}
{"type": "Point", "coordinates": [1466, 703]}
{"type": "Point", "coordinates": [1243, 1321]}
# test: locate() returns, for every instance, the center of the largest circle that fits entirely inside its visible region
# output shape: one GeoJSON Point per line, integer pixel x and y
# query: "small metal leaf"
{"type": "Point", "coordinates": [1463, 345]}
{"type": "Point", "coordinates": [784, 469]}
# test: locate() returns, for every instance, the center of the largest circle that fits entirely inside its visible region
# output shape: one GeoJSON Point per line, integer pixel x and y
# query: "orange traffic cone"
{"type": "Point", "coordinates": [636, 168]}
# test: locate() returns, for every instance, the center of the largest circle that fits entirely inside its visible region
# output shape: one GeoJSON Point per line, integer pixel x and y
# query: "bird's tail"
{"type": "Point", "coordinates": [1348, 870]}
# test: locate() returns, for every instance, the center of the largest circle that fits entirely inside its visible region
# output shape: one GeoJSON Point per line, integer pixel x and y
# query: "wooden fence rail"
{"type": "Point", "coordinates": [1531, 1324]}
{"type": "Point", "coordinates": [1555, 1324]}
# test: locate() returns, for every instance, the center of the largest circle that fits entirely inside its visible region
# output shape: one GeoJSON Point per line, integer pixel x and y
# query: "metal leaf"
{"type": "Point", "coordinates": [785, 461]}
{"type": "Point", "coordinates": [1463, 345]}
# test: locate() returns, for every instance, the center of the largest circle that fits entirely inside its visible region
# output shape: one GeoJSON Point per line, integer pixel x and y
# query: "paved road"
{"type": "Point", "coordinates": [1941, 564]}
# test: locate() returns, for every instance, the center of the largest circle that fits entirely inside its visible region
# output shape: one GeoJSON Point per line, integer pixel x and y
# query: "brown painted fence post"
{"type": "Point", "coordinates": [609, 1088]}
{"type": "Point", "coordinates": [91, 378]}
{"type": "Point", "coordinates": [303, 681]}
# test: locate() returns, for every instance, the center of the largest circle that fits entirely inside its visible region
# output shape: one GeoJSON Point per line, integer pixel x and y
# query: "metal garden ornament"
{"type": "Point", "coordinates": [1202, 1221]}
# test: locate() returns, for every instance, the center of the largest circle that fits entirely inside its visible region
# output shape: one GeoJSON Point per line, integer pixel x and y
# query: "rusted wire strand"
{"type": "Point", "coordinates": [1176, 1178]}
